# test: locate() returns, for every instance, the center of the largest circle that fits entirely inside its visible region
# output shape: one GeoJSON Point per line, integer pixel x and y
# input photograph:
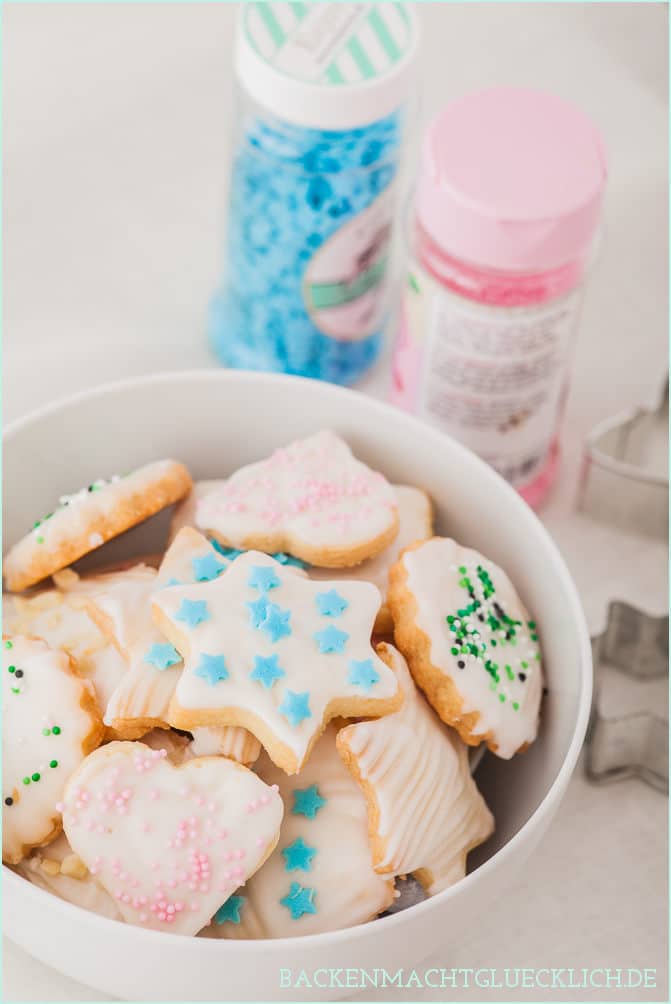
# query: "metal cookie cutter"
{"type": "Point", "coordinates": [625, 475]}
{"type": "Point", "coordinates": [627, 735]}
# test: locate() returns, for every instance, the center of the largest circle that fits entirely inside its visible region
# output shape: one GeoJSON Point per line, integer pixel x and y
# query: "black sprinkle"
{"type": "Point", "coordinates": [522, 676]}
{"type": "Point", "coordinates": [9, 800]}
{"type": "Point", "coordinates": [461, 664]}
{"type": "Point", "coordinates": [545, 691]}
{"type": "Point", "coordinates": [481, 618]}
{"type": "Point", "coordinates": [18, 674]}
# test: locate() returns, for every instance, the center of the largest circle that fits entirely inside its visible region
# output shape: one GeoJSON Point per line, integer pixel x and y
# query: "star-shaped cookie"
{"type": "Point", "coordinates": [312, 499]}
{"type": "Point", "coordinates": [320, 876]}
{"type": "Point", "coordinates": [425, 812]}
{"type": "Point", "coordinates": [284, 667]}
{"type": "Point", "coordinates": [122, 609]}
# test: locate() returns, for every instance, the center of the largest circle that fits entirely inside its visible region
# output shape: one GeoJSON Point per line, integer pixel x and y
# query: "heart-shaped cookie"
{"type": "Point", "coordinates": [169, 843]}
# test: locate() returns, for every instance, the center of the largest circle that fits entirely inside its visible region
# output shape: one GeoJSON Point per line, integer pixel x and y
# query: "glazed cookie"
{"type": "Point", "coordinates": [169, 843]}
{"type": "Point", "coordinates": [50, 723]}
{"type": "Point", "coordinates": [312, 499]}
{"type": "Point", "coordinates": [122, 609]}
{"type": "Point", "coordinates": [275, 653]}
{"type": "Point", "coordinates": [415, 523]}
{"type": "Point", "coordinates": [319, 877]}
{"type": "Point", "coordinates": [58, 619]}
{"type": "Point", "coordinates": [87, 519]}
{"type": "Point", "coordinates": [425, 812]}
{"type": "Point", "coordinates": [58, 870]}
{"type": "Point", "coordinates": [469, 643]}
{"type": "Point", "coordinates": [185, 512]}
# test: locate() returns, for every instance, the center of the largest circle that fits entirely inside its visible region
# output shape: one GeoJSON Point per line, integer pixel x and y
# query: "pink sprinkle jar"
{"type": "Point", "coordinates": [501, 231]}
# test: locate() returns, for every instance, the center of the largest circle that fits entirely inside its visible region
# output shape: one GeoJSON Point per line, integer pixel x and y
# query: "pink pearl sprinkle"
{"type": "Point", "coordinates": [260, 841]}
{"type": "Point", "coordinates": [142, 918]}
{"type": "Point", "coordinates": [153, 794]}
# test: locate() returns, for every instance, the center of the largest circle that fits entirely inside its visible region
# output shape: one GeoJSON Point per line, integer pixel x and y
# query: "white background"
{"type": "Point", "coordinates": [116, 125]}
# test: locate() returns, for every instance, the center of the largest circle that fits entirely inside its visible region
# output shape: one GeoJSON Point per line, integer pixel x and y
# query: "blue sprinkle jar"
{"type": "Point", "coordinates": [313, 189]}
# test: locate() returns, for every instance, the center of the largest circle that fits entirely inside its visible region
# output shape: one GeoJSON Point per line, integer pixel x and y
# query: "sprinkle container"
{"type": "Point", "coordinates": [322, 95]}
{"type": "Point", "coordinates": [502, 229]}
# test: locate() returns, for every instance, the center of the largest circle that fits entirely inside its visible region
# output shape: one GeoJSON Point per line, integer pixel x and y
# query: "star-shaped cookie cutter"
{"type": "Point", "coordinates": [624, 480]}
{"type": "Point", "coordinates": [634, 744]}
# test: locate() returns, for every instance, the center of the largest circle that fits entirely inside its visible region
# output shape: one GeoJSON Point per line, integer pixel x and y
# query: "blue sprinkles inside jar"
{"type": "Point", "coordinates": [310, 223]}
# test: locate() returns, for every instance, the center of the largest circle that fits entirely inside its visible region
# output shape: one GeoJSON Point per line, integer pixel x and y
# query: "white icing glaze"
{"type": "Point", "coordinates": [312, 493]}
{"type": "Point", "coordinates": [169, 843]}
{"type": "Point", "coordinates": [426, 811]}
{"type": "Point", "coordinates": [433, 579]}
{"type": "Point", "coordinates": [228, 631]}
{"type": "Point", "coordinates": [83, 892]}
{"type": "Point", "coordinates": [414, 514]}
{"type": "Point", "coordinates": [346, 889]}
{"type": "Point", "coordinates": [58, 619]}
{"type": "Point", "coordinates": [45, 694]}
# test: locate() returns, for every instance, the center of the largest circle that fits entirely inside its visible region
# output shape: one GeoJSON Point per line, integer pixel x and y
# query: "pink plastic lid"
{"type": "Point", "coordinates": [511, 179]}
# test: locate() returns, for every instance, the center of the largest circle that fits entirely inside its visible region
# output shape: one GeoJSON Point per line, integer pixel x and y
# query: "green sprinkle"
{"type": "Point", "coordinates": [40, 540]}
{"type": "Point", "coordinates": [524, 665]}
{"type": "Point", "coordinates": [53, 763]}
{"type": "Point", "coordinates": [450, 619]}
{"type": "Point", "coordinates": [15, 690]}
{"type": "Point", "coordinates": [46, 732]}
{"type": "Point", "coordinates": [537, 657]}
{"type": "Point", "coordinates": [454, 651]}
{"type": "Point", "coordinates": [9, 644]}
{"type": "Point", "coordinates": [492, 685]}
{"type": "Point", "coordinates": [11, 669]}
{"type": "Point", "coordinates": [534, 637]}
{"type": "Point", "coordinates": [463, 569]}
{"type": "Point", "coordinates": [56, 730]}
{"type": "Point", "coordinates": [494, 642]}
{"type": "Point", "coordinates": [502, 698]}
{"type": "Point", "coordinates": [26, 780]}
{"type": "Point", "coordinates": [509, 673]}
{"type": "Point", "coordinates": [531, 624]}
{"type": "Point", "coordinates": [516, 706]}
{"type": "Point", "coordinates": [35, 777]}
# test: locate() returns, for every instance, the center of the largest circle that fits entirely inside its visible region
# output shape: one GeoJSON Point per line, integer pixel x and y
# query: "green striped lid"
{"type": "Point", "coordinates": [329, 65]}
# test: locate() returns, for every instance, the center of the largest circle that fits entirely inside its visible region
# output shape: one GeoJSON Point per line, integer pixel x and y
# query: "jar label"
{"type": "Point", "coordinates": [492, 377]}
{"type": "Point", "coordinates": [344, 285]}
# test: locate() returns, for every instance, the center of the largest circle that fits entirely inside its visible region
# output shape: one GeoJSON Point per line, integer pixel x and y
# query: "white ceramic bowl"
{"type": "Point", "coordinates": [215, 422]}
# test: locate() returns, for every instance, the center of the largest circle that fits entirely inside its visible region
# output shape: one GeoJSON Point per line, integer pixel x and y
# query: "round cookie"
{"type": "Point", "coordinates": [415, 523]}
{"type": "Point", "coordinates": [170, 843]}
{"type": "Point", "coordinates": [319, 877]}
{"type": "Point", "coordinates": [312, 499]}
{"type": "Point", "coordinates": [50, 723]}
{"type": "Point", "coordinates": [469, 643]}
{"type": "Point", "coordinates": [86, 520]}
{"type": "Point", "coordinates": [425, 812]}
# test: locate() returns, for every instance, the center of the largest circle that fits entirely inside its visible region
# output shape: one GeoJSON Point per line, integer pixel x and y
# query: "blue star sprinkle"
{"type": "Point", "coordinates": [192, 612]}
{"type": "Point", "coordinates": [295, 707]}
{"type": "Point", "coordinates": [331, 639]}
{"type": "Point", "coordinates": [298, 856]}
{"type": "Point", "coordinates": [258, 610]}
{"type": "Point", "coordinates": [227, 552]}
{"type": "Point", "coordinates": [331, 604]}
{"type": "Point", "coordinates": [207, 567]}
{"type": "Point", "coordinates": [362, 674]}
{"type": "Point", "coordinates": [288, 559]}
{"type": "Point", "coordinates": [299, 900]}
{"type": "Point", "coordinates": [162, 656]}
{"type": "Point", "coordinates": [171, 582]}
{"type": "Point", "coordinates": [230, 911]}
{"type": "Point", "coordinates": [276, 624]}
{"type": "Point", "coordinates": [307, 802]}
{"type": "Point", "coordinates": [212, 668]}
{"type": "Point", "coordinates": [266, 670]}
{"type": "Point", "coordinates": [263, 578]}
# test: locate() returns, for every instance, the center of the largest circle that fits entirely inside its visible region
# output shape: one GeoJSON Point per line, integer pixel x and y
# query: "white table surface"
{"type": "Point", "coordinates": [115, 144]}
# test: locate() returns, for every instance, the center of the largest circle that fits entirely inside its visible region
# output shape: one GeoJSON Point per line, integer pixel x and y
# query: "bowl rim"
{"type": "Point", "coordinates": [499, 858]}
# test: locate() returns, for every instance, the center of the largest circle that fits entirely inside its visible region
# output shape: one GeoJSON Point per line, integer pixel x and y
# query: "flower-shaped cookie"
{"type": "Point", "coordinates": [275, 653]}
{"type": "Point", "coordinates": [312, 499]}
{"type": "Point", "coordinates": [425, 812]}
{"type": "Point", "coordinates": [469, 643]}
